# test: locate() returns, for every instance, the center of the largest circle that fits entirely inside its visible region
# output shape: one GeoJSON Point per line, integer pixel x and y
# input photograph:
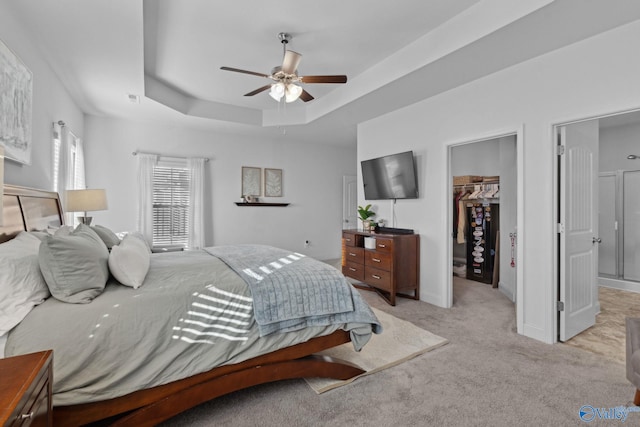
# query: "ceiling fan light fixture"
{"type": "Point", "coordinates": [292, 92]}
{"type": "Point", "coordinates": [277, 91]}
{"type": "Point", "coordinates": [286, 76]}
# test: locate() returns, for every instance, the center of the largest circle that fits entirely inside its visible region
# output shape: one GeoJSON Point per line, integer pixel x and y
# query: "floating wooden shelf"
{"type": "Point", "coordinates": [261, 204]}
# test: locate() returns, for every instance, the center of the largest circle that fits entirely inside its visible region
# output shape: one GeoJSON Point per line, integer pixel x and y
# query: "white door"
{"type": "Point", "coordinates": [578, 227]}
{"type": "Point", "coordinates": [349, 201]}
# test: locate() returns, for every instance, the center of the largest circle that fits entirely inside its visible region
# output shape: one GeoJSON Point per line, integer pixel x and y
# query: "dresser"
{"type": "Point", "coordinates": [26, 392]}
{"type": "Point", "coordinates": [390, 266]}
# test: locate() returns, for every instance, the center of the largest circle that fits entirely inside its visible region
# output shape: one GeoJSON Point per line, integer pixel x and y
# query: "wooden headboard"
{"type": "Point", "coordinates": [28, 209]}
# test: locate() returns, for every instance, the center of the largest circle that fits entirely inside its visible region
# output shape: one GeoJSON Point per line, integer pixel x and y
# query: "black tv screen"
{"type": "Point", "coordinates": [390, 177]}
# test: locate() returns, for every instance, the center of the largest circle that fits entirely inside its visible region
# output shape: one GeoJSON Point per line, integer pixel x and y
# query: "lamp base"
{"type": "Point", "coordinates": [86, 220]}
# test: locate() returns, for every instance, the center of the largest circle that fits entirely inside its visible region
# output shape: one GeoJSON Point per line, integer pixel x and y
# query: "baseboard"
{"type": "Point", "coordinates": [624, 285]}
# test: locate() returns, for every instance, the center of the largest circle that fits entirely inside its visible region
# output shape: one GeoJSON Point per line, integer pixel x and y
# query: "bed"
{"type": "Point", "coordinates": [138, 355]}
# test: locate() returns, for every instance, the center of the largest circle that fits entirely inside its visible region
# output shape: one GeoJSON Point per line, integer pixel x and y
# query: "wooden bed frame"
{"type": "Point", "coordinates": [31, 209]}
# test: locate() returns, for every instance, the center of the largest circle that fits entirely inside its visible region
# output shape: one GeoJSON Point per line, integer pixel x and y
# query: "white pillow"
{"type": "Point", "coordinates": [63, 230]}
{"type": "Point", "coordinates": [129, 261]}
{"type": "Point", "coordinates": [22, 285]}
{"type": "Point", "coordinates": [138, 235]}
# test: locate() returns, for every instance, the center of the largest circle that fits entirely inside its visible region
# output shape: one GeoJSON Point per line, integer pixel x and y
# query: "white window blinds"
{"type": "Point", "coordinates": [171, 183]}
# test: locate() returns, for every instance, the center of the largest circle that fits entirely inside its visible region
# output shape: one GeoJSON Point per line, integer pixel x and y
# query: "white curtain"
{"type": "Point", "coordinates": [146, 163]}
{"type": "Point", "coordinates": [64, 170]}
{"type": "Point", "coordinates": [196, 198]}
{"type": "Point", "coordinates": [79, 173]}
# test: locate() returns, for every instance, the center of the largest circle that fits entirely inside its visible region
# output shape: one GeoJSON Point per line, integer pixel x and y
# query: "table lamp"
{"type": "Point", "coordinates": [86, 201]}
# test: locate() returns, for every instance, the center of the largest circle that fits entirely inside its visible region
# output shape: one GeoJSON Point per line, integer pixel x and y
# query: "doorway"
{"type": "Point", "coordinates": [608, 256]}
{"type": "Point", "coordinates": [349, 202]}
{"type": "Point", "coordinates": [484, 194]}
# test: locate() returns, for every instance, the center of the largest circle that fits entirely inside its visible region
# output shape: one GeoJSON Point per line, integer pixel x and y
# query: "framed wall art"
{"type": "Point", "coordinates": [272, 182]}
{"type": "Point", "coordinates": [16, 89]}
{"type": "Point", "coordinates": [251, 181]}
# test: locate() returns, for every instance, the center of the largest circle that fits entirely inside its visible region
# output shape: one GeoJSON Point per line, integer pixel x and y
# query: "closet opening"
{"type": "Point", "coordinates": [484, 235]}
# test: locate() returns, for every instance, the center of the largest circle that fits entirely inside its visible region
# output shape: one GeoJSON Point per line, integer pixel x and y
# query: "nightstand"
{"type": "Point", "coordinates": [26, 392]}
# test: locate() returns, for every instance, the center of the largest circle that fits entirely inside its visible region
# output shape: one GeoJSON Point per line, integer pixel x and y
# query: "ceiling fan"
{"type": "Point", "coordinates": [286, 77]}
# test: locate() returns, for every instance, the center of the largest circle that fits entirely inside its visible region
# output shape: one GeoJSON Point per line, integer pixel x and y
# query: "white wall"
{"type": "Point", "coordinates": [312, 182]}
{"type": "Point", "coordinates": [616, 143]}
{"type": "Point", "coordinates": [480, 158]}
{"type": "Point", "coordinates": [586, 79]}
{"type": "Point", "coordinates": [51, 103]}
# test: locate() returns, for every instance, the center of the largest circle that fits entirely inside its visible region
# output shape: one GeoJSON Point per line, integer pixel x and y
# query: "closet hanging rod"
{"type": "Point", "coordinates": [476, 183]}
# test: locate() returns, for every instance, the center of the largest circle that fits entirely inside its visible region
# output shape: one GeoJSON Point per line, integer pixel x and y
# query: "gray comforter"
{"type": "Point", "coordinates": [192, 313]}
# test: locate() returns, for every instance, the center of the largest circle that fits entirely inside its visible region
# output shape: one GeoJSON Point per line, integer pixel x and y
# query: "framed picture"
{"type": "Point", "coordinates": [272, 182]}
{"type": "Point", "coordinates": [16, 88]}
{"type": "Point", "coordinates": [251, 181]}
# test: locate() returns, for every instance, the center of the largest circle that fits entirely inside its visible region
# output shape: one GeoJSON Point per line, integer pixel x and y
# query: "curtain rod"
{"type": "Point", "coordinates": [135, 153]}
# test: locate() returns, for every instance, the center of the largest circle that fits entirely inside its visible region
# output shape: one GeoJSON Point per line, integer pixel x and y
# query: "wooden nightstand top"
{"type": "Point", "coordinates": [17, 376]}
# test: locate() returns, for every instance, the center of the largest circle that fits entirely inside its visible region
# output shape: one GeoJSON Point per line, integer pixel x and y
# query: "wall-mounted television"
{"type": "Point", "coordinates": [390, 177]}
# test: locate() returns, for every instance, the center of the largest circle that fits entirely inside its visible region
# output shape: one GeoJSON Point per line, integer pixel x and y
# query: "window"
{"type": "Point", "coordinates": [68, 167]}
{"type": "Point", "coordinates": [171, 183]}
{"type": "Point", "coordinates": [77, 163]}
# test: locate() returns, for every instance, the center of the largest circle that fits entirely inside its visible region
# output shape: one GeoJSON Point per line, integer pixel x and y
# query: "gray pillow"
{"type": "Point", "coordinates": [108, 237]}
{"type": "Point", "coordinates": [75, 267]}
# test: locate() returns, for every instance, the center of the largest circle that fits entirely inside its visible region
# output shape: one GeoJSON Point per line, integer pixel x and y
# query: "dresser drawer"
{"type": "Point", "coordinates": [25, 397]}
{"type": "Point", "coordinates": [353, 270]}
{"type": "Point", "coordinates": [384, 245]}
{"type": "Point", "coordinates": [352, 254]}
{"type": "Point", "coordinates": [379, 278]}
{"type": "Point", "coordinates": [348, 239]}
{"type": "Point", "coordinates": [376, 259]}
{"type": "Point", "coordinates": [34, 408]}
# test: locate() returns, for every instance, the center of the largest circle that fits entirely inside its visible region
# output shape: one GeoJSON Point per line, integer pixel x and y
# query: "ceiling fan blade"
{"type": "Point", "coordinates": [324, 79]}
{"type": "Point", "coordinates": [306, 96]}
{"type": "Point", "coordinates": [257, 91]}
{"type": "Point", "coordinates": [237, 70]}
{"type": "Point", "coordinates": [290, 61]}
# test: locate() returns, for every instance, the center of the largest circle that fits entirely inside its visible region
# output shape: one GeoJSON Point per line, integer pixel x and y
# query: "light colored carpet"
{"type": "Point", "coordinates": [487, 375]}
{"type": "Point", "coordinates": [400, 341]}
{"type": "Point", "coordinates": [607, 336]}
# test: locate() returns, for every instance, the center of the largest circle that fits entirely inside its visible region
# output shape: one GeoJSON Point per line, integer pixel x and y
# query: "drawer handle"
{"type": "Point", "coordinates": [382, 245]}
{"type": "Point", "coordinates": [352, 269]}
{"type": "Point", "coordinates": [348, 240]}
{"type": "Point", "coordinates": [27, 416]}
{"type": "Point", "coordinates": [376, 276]}
{"type": "Point", "coordinates": [375, 260]}
{"type": "Point", "coordinates": [352, 254]}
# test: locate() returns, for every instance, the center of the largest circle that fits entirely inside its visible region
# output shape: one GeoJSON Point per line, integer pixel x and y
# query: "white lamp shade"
{"type": "Point", "coordinates": [292, 93]}
{"type": "Point", "coordinates": [277, 91]}
{"type": "Point", "coordinates": [86, 200]}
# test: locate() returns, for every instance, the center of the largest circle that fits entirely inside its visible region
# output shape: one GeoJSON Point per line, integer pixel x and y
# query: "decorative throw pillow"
{"type": "Point", "coordinates": [138, 235]}
{"type": "Point", "coordinates": [21, 284]}
{"type": "Point", "coordinates": [129, 261]}
{"type": "Point", "coordinates": [75, 267]}
{"type": "Point", "coordinates": [108, 237]}
{"type": "Point", "coordinates": [63, 230]}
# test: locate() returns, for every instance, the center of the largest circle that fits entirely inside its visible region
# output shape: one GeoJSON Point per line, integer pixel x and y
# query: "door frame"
{"type": "Point", "coordinates": [519, 134]}
{"type": "Point", "coordinates": [555, 294]}
{"type": "Point", "coordinates": [345, 180]}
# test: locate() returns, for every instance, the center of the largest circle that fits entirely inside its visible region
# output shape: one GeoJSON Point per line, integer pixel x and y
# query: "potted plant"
{"type": "Point", "coordinates": [364, 214]}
